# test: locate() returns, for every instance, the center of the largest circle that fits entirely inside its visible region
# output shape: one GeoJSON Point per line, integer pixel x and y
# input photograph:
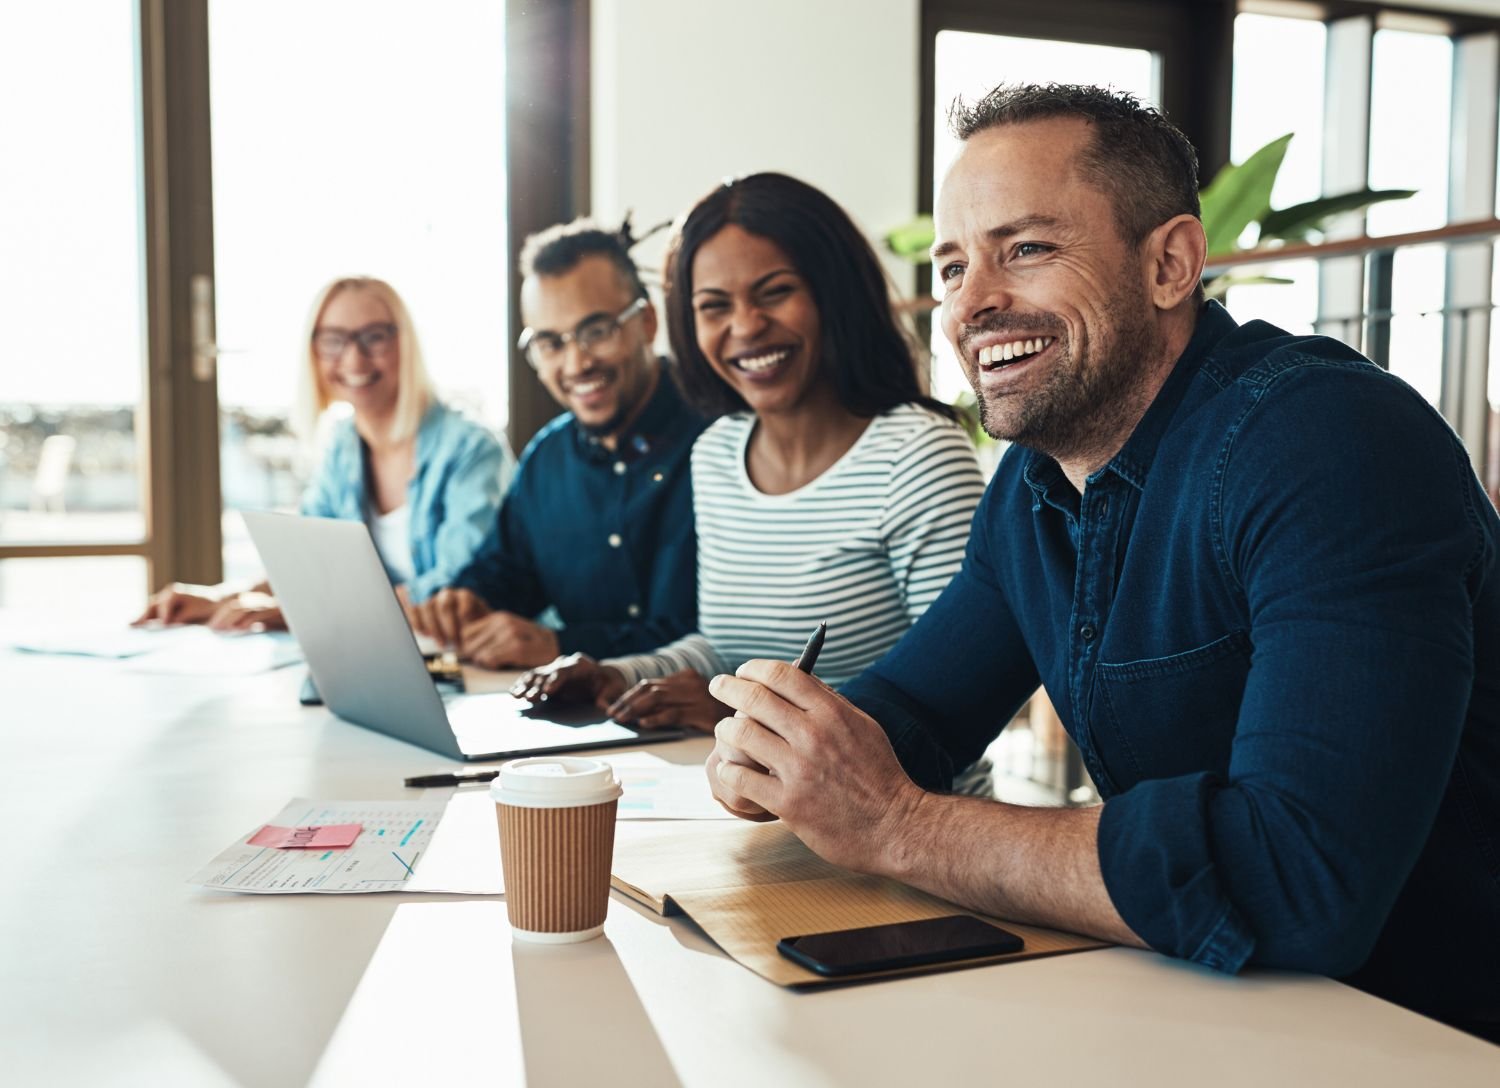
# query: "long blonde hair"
{"type": "Point", "coordinates": [414, 393]}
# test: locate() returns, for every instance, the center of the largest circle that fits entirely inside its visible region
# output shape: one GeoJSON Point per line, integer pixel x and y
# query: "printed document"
{"type": "Point", "coordinates": [394, 840]}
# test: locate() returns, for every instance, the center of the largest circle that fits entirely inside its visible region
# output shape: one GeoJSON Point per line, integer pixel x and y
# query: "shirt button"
{"type": "Point", "coordinates": [614, 540]}
{"type": "Point", "coordinates": [1087, 632]}
{"type": "Point", "coordinates": [634, 611]}
{"type": "Point", "coordinates": [619, 468]}
{"type": "Point", "coordinates": [656, 477]}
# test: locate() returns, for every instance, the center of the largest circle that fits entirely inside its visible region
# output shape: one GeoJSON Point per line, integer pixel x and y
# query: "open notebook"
{"type": "Point", "coordinates": [749, 885]}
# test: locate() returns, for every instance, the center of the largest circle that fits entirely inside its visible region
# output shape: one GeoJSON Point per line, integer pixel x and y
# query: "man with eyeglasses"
{"type": "Point", "coordinates": [595, 536]}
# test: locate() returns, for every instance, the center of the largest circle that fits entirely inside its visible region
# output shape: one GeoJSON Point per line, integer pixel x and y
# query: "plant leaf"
{"type": "Point", "coordinates": [1293, 224]}
{"type": "Point", "coordinates": [913, 240]}
{"type": "Point", "coordinates": [966, 404]}
{"type": "Point", "coordinates": [1240, 195]}
{"type": "Point", "coordinates": [1219, 286]}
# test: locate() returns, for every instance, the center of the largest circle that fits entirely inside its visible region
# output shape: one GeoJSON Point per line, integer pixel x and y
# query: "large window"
{"type": "Point", "coordinates": [1410, 130]}
{"type": "Point", "coordinates": [346, 137]}
{"type": "Point", "coordinates": [72, 407]}
{"type": "Point", "coordinates": [1349, 90]}
{"type": "Point", "coordinates": [1278, 88]}
{"type": "Point", "coordinates": [369, 141]}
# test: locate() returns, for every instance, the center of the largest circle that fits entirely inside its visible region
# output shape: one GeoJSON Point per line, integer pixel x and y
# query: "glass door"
{"type": "Point", "coordinates": [73, 396]}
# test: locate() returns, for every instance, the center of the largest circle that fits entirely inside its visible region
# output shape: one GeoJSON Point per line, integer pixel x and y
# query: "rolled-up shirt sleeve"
{"type": "Point", "coordinates": [1359, 582]}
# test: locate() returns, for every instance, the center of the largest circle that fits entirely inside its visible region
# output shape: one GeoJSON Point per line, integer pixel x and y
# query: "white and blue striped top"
{"type": "Point", "coordinates": [866, 546]}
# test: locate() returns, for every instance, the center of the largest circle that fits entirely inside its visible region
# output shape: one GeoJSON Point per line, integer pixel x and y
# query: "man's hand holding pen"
{"type": "Point", "coordinates": [825, 767]}
{"type": "Point", "coordinates": [796, 750]}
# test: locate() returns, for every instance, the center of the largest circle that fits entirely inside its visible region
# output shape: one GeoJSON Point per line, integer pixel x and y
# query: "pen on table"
{"type": "Point", "coordinates": [809, 655]}
{"type": "Point", "coordinates": [451, 779]}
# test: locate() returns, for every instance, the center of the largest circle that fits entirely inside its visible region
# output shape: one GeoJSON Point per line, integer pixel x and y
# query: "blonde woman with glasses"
{"type": "Point", "coordinates": [426, 480]}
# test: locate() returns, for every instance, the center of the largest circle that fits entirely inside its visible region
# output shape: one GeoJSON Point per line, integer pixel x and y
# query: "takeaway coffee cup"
{"type": "Point", "coordinates": [557, 837]}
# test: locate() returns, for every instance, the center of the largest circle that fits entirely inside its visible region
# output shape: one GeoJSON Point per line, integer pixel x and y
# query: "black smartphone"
{"type": "Point", "coordinates": [902, 944]}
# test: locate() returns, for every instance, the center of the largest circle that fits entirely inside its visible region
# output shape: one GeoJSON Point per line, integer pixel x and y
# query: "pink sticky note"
{"type": "Point", "coordinates": [325, 836]}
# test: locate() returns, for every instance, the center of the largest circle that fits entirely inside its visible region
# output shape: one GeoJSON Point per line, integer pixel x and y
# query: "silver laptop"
{"type": "Point", "coordinates": [338, 601]}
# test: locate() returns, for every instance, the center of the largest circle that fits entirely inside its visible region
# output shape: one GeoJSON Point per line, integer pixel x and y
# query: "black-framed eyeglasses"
{"type": "Point", "coordinates": [373, 340]}
{"type": "Point", "coordinates": [544, 348]}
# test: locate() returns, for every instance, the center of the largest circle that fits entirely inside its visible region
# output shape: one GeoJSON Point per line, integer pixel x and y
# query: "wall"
{"type": "Point", "coordinates": [687, 92]}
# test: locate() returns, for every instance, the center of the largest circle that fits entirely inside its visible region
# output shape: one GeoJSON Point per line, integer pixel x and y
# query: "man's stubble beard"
{"type": "Point", "coordinates": [630, 400]}
{"type": "Point", "coordinates": [1083, 408]}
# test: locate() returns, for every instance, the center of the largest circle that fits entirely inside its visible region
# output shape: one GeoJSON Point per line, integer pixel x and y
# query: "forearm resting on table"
{"type": "Point", "coordinates": [1033, 865]}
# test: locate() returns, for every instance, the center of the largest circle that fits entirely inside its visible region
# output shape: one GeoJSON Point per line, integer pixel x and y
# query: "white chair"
{"type": "Point", "coordinates": [52, 473]}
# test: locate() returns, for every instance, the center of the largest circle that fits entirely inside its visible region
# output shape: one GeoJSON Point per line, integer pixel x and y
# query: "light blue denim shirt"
{"type": "Point", "coordinates": [454, 496]}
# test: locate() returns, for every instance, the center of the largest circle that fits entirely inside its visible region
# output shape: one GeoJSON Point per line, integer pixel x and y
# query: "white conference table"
{"type": "Point", "coordinates": [116, 971]}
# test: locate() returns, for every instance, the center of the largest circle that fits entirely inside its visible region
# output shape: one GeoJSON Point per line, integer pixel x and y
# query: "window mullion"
{"type": "Point", "coordinates": [1346, 166]}
{"type": "Point", "coordinates": [1471, 195]}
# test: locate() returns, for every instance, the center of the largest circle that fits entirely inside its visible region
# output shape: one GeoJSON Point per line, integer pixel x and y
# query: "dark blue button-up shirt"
{"type": "Point", "coordinates": [604, 537]}
{"type": "Point", "coordinates": [1272, 625]}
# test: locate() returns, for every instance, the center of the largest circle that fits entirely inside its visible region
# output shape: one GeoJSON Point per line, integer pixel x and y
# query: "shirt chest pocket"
{"type": "Point", "coordinates": [1166, 716]}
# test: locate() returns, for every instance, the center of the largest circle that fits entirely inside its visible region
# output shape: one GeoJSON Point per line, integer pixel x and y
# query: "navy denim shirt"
{"type": "Point", "coordinates": [605, 538]}
{"type": "Point", "coordinates": [1272, 625]}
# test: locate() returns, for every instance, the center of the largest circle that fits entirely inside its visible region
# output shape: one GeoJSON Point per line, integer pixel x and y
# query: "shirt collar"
{"type": "Point", "coordinates": [1133, 463]}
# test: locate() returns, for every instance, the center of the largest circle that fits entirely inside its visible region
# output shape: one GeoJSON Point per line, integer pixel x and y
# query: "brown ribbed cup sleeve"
{"type": "Point", "coordinates": [556, 863]}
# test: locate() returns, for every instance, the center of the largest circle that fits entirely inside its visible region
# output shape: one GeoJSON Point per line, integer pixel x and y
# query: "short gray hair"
{"type": "Point", "coordinates": [1138, 158]}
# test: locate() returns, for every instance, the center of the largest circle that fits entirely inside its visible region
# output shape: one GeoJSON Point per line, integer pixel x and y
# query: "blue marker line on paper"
{"type": "Point", "coordinates": [381, 831]}
{"type": "Point", "coordinates": [410, 833]}
{"type": "Point", "coordinates": [403, 864]}
{"type": "Point", "coordinates": [326, 856]}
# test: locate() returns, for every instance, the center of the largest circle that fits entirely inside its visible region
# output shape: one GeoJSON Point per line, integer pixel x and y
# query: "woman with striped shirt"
{"type": "Point", "coordinates": [829, 488]}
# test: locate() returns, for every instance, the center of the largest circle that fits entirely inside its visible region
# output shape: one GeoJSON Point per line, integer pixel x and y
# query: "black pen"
{"type": "Point", "coordinates": [809, 655]}
{"type": "Point", "coordinates": [422, 780]}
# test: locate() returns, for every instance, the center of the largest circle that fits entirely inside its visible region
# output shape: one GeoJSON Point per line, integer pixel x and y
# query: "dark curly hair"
{"type": "Point", "coordinates": [863, 347]}
{"type": "Point", "coordinates": [1138, 158]}
{"type": "Point", "coordinates": [559, 248]}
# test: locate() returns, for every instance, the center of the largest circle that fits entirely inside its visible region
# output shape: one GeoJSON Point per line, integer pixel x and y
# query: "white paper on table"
{"type": "Point", "coordinates": [395, 838]}
{"type": "Point", "coordinates": [670, 791]}
{"type": "Point", "coordinates": [464, 854]}
{"type": "Point", "coordinates": [202, 652]}
{"type": "Point", "coordinates": [111, 640]}
{"type": "Point", "coordinates": [632, 759]}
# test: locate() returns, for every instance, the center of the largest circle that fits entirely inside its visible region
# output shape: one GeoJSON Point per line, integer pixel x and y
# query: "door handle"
{"type": "Point", "coordinates": [205, 350]}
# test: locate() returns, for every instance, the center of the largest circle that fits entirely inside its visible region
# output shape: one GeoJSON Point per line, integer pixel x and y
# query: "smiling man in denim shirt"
{"type": "Point", "coordinates": [1255, 574]}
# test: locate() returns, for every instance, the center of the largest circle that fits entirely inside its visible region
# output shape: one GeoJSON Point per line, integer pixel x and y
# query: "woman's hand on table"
{"type": "Point", "coordinates": [679, 699]}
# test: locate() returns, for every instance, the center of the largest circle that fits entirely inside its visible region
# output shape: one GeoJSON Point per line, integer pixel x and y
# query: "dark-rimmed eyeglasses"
{"type": "Point", "coordinates": [373, 340]}
{"type": "Point", "coordinates": [545, 348]}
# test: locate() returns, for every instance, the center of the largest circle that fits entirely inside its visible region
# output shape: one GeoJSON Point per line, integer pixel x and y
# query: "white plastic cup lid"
{"type": "Point", "coordinates": [555, 782]}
